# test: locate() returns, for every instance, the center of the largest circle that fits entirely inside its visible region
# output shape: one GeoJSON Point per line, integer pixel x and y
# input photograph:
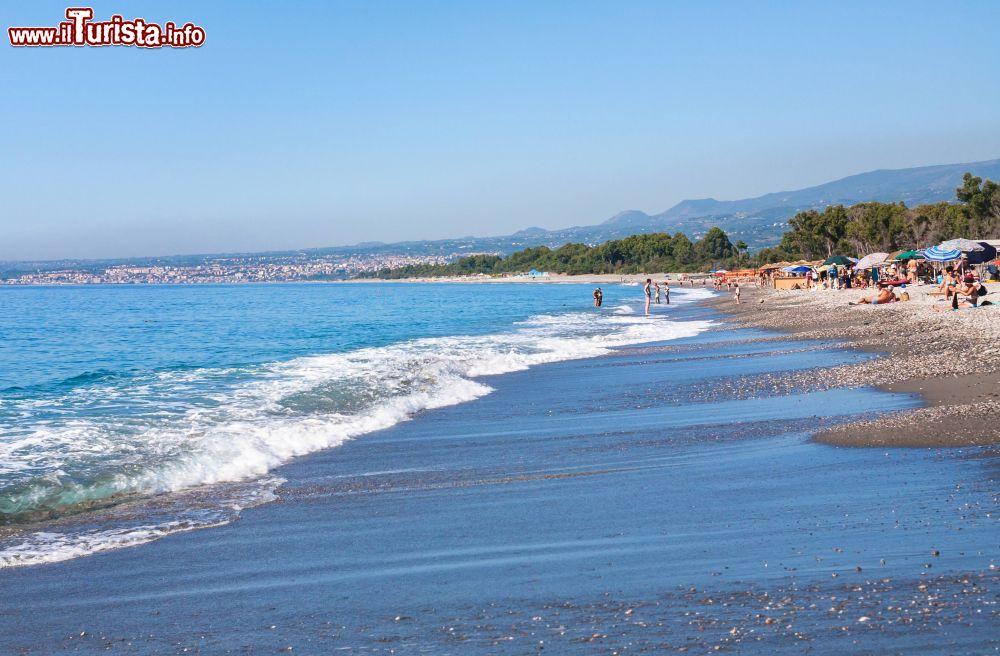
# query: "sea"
{"type": "Point", "coordinates": [132, 412]}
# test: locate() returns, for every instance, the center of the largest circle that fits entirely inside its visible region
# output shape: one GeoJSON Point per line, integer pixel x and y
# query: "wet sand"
{"type": "Point", "coordinates": [666, 498]}
{"type": "Point", "coordinates": [950, 359]}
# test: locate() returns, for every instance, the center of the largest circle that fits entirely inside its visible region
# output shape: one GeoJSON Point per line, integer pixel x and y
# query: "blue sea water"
{"type": "Point", "coordinates": [130, 412]}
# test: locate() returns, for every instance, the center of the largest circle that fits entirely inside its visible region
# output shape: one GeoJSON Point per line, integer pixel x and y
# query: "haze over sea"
{"type": "Point", "coordinates": [458, 468]}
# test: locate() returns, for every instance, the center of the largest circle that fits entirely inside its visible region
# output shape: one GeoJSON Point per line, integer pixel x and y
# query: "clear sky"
{"type": "Point", "coordinates": [307, 123]}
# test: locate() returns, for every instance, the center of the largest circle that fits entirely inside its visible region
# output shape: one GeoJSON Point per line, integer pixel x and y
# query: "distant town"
{"type": "Point", "coordinates": [237, 269]}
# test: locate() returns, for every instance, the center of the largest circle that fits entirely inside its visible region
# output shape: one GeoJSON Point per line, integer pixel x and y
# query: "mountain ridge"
{"type": "Point", "coordinates": [758, 220]}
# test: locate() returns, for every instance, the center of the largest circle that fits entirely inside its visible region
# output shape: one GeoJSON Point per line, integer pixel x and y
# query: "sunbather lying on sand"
{"type": "Point", "coordinates": [883, 296]}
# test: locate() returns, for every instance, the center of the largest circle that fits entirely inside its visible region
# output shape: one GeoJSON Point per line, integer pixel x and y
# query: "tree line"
{"type": "Point", "coordinates": [814, 234]}
{"type": "Point", "coordinates": [635, 254]}
{"type": "Point", "coordinates": [885, 227]}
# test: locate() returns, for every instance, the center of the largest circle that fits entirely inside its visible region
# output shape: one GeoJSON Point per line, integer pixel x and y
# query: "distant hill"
{"type": "Point", "coordinates": [758, 221]}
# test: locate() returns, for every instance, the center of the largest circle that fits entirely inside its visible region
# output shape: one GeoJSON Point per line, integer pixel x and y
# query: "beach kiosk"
{"type": "Point", "coordinates": [794, 278]}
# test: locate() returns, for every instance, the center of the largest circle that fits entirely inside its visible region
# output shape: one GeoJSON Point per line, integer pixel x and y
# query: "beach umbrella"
{"type": "Point", "coordinates": [964, 245]}
{"type": "Point", "coordinates": [796, 269]}
{"type": "Point", "coordinates": [871, 260]}
{"type": "Point", "coordinates": [988, 254]}
{"type": "Point", "coordinates": [839, 260]}
{"type": "Point", "coordinates": [909, 255]}
{"type": "Point", "coordinates": [938, 254]}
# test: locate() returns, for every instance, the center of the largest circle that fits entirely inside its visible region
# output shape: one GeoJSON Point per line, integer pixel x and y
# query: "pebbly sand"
{"type": "Point", "coordinates": [951, 359]}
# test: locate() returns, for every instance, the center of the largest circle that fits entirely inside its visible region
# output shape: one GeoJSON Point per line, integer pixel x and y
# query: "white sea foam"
{"type": "Point", "coordinates": [119, 527]}
{"type": "Point", "coordinates": [220, 426]}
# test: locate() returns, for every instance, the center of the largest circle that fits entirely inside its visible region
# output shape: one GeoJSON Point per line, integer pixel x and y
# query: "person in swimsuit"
{"type": "Point", "coordinates": [969, 290]}
{"type": "Point", "coordinates": [657, 285]}
{"type": "Point", "coordinates": [666, 291]}
{"type": "Point", "coordinates": [648, 289]}
{"type": "Point", "coordinates": [736, 294]}
{"type": "Point", "coordinates": [598, 297]}
{"type": "Point", "coordinates": [948, 283]}
{"type": "Point", "coordinates": [884, 296]}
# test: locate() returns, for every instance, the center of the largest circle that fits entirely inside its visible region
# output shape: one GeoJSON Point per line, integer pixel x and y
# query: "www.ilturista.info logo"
{"type": "Point", "coordinates": [81, 30]}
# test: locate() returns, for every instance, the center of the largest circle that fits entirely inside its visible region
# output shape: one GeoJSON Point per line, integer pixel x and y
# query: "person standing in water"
{"type": "Point", "coordinates": [648, 289]}
{"type": "Point", "coordinates": [666, 291]}
{"type": "Point", "coordinates": [598, 297]}
{"type": "Point", "coordinates": [657, 285]}
{"type": "Point", "coordinates": [736, 294]}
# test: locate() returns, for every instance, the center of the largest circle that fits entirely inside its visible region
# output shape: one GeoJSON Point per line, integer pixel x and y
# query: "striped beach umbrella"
{"type": "Point", "coordinates": [938, 254]}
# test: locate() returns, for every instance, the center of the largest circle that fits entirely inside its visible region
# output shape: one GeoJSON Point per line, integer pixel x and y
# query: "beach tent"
{"type": "Point", "coordinates": [871, 260]}
{"type": "Point", "coordinates": [839, 260]}
{"type": "Point", "coordinates": [938, 254]}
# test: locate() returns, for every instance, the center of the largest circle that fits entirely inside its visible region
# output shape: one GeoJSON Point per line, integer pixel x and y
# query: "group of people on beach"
{"type": "Point", "coordinates": [648, 290]}
{"type": "Point", "coordinates": [656, 292]}
{"type": "Point", "coordinates": [961, 288]}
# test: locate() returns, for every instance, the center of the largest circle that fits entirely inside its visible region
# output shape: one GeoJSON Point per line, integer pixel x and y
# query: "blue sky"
{"type": "Point", "coordinates": [321, 123]}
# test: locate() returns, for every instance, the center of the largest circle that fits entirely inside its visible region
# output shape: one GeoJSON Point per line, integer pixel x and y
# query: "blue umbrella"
{"type": "Point", "coordinates": [796, 269]}
{"type": "Point", "coordinates": [938, 254]}
{"type": "Point", "coordinates": [979, 257]}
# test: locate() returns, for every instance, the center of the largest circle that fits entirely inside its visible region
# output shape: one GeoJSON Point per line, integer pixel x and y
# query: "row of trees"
{"type": "Point", "coordinates": [856, 230]}
{"type": "Point", "coordinates": [872, 227]}
{"type": "Point", "coordinates": [634, 254]}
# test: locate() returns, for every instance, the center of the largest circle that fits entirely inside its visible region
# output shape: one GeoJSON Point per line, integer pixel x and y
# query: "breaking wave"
{"type": "Point", "coordinates": [117, 440]}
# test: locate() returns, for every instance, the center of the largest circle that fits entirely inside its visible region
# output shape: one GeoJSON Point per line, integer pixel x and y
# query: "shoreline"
{"type": "Point", "coordinates": [554, 278]}
{"type": "Point", "coordinates": [951, 360]}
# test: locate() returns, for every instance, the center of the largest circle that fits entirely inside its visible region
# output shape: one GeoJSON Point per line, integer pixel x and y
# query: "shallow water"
{"type": "Point", "coordinates": [111, 397]}
{"type": "Point", "coordinates": [583, 506]}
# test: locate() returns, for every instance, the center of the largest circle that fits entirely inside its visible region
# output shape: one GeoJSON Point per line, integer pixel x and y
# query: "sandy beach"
{"type": "Point", "coordinates": [951, 359]}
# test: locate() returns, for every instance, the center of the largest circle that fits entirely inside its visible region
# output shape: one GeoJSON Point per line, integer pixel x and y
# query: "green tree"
{"type": "Point", "coordinates": [715, 245]}
{"type": "Point", "coordinates": [983, 201]}
{"type": "Point", "coordinates": [875, 227]}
